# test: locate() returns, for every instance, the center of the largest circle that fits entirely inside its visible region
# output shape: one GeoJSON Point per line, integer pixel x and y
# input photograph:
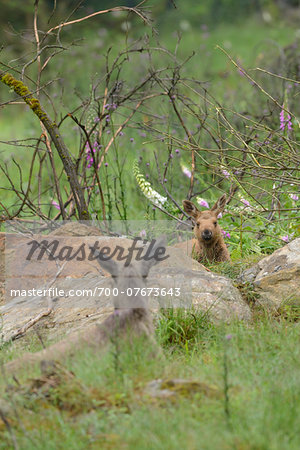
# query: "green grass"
{"type": "Point", "coordinates": [102, 402]}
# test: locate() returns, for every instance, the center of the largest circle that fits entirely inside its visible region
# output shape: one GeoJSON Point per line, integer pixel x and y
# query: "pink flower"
{"type": "Point", "coordinates": [203, 202]}
{"type": "Point", "coordinates": [245, 202]}
{"type": "Point", "coordinates": [285, 238]}
{"type": "Point", "coordinates": [143, 233]}
{"type": "Point", "coordinates": [225, 234]}
{"type": "Point", "coordinates": [187, 172]}
{"type": "Point", "coordinates": [294, 197]}
{"type": "Point", "coordinates": [55, 204]}
{"type": "Point", "coordinates": [89, 157]}
{"type": "Point", "coordinates": [285, 121]}
{"type": "Point", "coordinates": [226, 173]}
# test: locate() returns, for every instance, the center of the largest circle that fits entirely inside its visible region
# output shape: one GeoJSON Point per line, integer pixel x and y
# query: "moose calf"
{"type": "Point", "coordinates": [208, 244]}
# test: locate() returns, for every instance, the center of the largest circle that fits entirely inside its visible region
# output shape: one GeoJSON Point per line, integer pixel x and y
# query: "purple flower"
{"type": "Point", "coordinates": [285, 238]}
{"type": "Point", "coordinates": [90, 161]}
{"type": "Point", "coordinates": [121, 133]}
{"type": "Point", "coordinates": [55, 204]}
{"type": "Point", "coordinates": [107, 118]}
{"type": "Point", "coordinates": [285, 121]}
{"type": "Point", "coordinates": [177, 151]}
{"type": "Point", "coordinates": [225, 234]}
{"type": "Point", "coordinates": [131, 139]}
{"type": "Point", "coordinates": [89, 157]}
{"type": "Point", "coordinates": [107, 106]}
{"type": "Point", "coordinates": [143, 233]}
{"type": "Point", "coordinates": [294, 197]}
{"type": "Point", "coordinates": [228, 337]}
{"type": "Point", "coordinates": [171, 156]}
{"type": "Point", "coordinates": [165, 180]}
{"type": "Point", "coordinates": [245, 202]}
{"type": "Point", "coordinates": [106, 164]}
{"type": "Point", "coordinates": [203, 202]}
{"type": "Point", "coordinates": [97, 119]}
{"type": "Point", "coordinates": [225, 173]}
{"type": "Point", "coordinates": [147, 175]}
{"type": "Point", "coordinates": [219, 216]}
{"type": "Point", "coordinates": [147, 164]}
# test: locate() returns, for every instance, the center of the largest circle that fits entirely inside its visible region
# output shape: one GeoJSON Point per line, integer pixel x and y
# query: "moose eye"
{"type": "Point", "coordinates": [215, 223]}
{"type": "Point", "coordinates": [198, 225]}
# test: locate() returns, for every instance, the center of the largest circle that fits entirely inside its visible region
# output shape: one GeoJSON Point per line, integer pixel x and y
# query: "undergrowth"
{"type": "Point", "coordinates": [89, 401]}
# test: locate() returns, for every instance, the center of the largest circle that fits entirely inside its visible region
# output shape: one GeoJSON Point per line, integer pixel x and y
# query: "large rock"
{"type": "Point", "coordinates": [276, 278]}
{"type": "Point", "coordinates": [61, 314]}
{"type": "Point", "coordinates": [204, 291]}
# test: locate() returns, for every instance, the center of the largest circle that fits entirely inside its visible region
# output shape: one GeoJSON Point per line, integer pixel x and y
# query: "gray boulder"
{"type": "Point", "coordinates": [58, 315]}
{"type": "Point", "coordinates": [276, 278]}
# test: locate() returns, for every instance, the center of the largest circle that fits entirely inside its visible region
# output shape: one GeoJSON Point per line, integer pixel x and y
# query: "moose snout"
{"type": "Point", "coordinates": [206, 235]}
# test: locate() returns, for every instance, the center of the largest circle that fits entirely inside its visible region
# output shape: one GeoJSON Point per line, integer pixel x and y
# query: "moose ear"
{"type": "Point", "coordinates": [219, 205]}
{"type": "Point", "coordinates": [154, 256]}
{"type": "Point", "coordinates": [109, 265]}
{"type": "Point", "coordinates": [190, 208]}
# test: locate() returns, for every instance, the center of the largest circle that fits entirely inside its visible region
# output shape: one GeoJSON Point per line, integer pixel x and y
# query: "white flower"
{"type": "Point", "coordinates": [147, 190]}
{"type": "Point", "coordinates": [186, 171]}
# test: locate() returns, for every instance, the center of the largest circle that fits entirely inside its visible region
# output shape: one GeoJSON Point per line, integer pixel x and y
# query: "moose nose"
{"type": "Point", "coordinates": [207, 235]}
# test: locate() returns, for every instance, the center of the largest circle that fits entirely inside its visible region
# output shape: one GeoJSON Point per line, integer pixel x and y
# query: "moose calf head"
{"type": "Point", "coordinates": [131, 279]}
{"type": "Point", "coordinates": [207, 230]}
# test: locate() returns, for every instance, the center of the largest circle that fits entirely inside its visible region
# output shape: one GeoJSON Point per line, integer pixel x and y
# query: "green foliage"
{"type": "Point", "coordinates": [180, 329]}
{"type": "Point", "coordinates": [85, 403]}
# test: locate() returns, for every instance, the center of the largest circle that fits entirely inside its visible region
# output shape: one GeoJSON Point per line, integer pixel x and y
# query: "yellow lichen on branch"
{"type": "Point", "coordinates": [22, 90]}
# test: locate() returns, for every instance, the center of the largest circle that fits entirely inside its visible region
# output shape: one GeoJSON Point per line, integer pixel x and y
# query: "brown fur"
{"type": "Point", "coordinates": [131, 315]}
{"type": "Point", "coordinates": [208, 244]}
